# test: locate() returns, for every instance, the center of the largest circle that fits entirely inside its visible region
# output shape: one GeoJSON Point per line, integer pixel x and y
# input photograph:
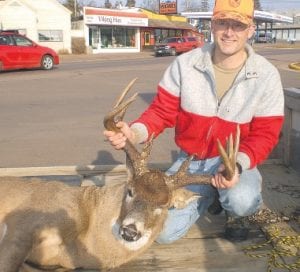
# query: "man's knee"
{"type": "Point", "coordinates": [240, 206]}
{"type": "Point", "coordinates": [244, 198]}
{"type": "Point", "coordinates": [173, 232]}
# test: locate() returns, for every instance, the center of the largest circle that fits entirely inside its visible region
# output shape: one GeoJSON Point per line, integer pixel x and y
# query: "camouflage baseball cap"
{"type": "Point", "coordinates": [238, 10]}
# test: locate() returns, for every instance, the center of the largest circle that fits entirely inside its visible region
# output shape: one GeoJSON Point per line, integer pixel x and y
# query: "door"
{"type": "Point", "coordinates": [147, 37]}
{"type": "Point", "coordinates": [9, 53]}
{"type": "Point", "coordinates": [30, 55]}
{"type": "Point", "coordinates": [180, 45]}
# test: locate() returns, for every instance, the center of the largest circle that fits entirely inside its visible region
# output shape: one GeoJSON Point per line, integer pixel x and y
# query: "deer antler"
{"type": "Point", "coordinates": [136, 160]}
{"type": "Point", "coordinates": [182, 178]}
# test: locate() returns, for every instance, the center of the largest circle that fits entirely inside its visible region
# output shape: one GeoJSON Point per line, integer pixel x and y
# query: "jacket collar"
{"type": "Point", "coordinates": [204, 62]}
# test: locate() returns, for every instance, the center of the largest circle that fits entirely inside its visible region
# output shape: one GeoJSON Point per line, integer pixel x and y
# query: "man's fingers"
{"type": "Point", "coordinates": [108, 133]}
{"type": "Point", "coordinates": [218, 181]}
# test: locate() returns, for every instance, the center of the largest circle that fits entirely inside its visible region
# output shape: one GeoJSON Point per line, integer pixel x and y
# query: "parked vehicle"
{"type": "Point", "coordinates": [19, 52]}
{"type": "Point", "coordinates": [265, 37]}
{"type": "Point", "coordinates": [175, 45]}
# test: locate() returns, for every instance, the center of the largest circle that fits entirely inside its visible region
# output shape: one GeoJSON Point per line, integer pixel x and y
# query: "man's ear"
{"type": "Point", "coordinates": [212, 26]}
{"type": "Point", "coordinates": [251, 31]}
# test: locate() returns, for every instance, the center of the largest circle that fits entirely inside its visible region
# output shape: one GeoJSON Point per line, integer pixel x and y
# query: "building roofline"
{"type": "Point", "coordinates": [258, 15]}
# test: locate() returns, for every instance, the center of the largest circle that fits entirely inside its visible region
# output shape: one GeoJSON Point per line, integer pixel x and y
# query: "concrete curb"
{"type": "Point", "coordinates": [105, 57]}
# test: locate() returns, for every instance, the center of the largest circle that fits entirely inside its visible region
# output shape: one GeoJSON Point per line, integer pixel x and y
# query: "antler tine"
{"type": "Point", "coordinates": [134, 161]}
{"type": "Point", "coordinates": [117, 114]}
{"type": "Point", "coordinates": [119, 109]}
{"type": "Point", "coordinates": [184, 166]}
{"type": "Point", "coordinates": [229, 158]}
{"type": "Point", "coordinates": [139, 164]}
{"type": "Point", "coordinates": [182, 178]}
{"type": "Point", "coordinates": [229, 172]}
{"type": "Point", "coordinates": [125, 91]}
{"type": "Point", "coordinates": [147, 147]}
{"type": "Point", "coordinates": [230, 147]}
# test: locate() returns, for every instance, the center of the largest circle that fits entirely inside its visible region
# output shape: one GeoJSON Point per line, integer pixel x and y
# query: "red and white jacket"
{"type": "Point", "coordinates": [186, 99]}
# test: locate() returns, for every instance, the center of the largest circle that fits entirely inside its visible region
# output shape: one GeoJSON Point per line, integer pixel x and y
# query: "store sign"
{"type": "Point", "coordinates": [168, 6]}
{"type": "Point", "coordinates": [115, 20]}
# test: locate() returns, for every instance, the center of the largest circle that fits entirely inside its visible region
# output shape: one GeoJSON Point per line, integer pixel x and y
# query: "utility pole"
{"type": "Point", "coordinates": [75, 9]}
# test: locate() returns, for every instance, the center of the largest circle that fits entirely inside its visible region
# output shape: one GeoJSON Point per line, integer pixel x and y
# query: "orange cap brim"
{"type": "Point", "coordinates": [233, 16]}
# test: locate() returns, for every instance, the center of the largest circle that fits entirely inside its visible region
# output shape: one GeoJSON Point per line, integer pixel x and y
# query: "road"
{"type": "Point", "coordinates": [54, 118]}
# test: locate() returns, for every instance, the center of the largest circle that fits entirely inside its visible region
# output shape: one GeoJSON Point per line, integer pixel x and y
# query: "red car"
{"type": "Point", "coordinates": [19, 52]}
{"type": "Point", "coordinates": [176, 45]}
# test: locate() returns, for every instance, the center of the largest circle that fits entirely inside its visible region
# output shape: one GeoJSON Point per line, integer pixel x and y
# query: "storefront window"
{"type": "Point", "coordinates": [131, 35]}
{"type": "Point", "coordinates": [50, 35]}
{"type": "Point", "coordinates": [157, 35]}
{"type": "Point", "coordinates": [116, 37]}
{"type": "Point", "coordinates": [165, 33]}
{"type": "Point", "coordinates": [172, 33]}
{"type": "Point", "coordinates": [161, 34]}
{"type": "Point", "coordinates": [106, 37]}
{"type": "Point", "coordinates": [94, 38]}
{"type": "Point", "coordinates": [178, 32]}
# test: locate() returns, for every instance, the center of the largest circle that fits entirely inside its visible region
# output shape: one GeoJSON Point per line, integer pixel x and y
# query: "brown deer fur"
{"type": "Point", "coordinates": [51, 225]}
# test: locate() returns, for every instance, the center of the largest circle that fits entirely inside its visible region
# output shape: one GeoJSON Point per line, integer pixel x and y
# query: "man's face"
{"type": "Point", "coordinates": [230, 36]}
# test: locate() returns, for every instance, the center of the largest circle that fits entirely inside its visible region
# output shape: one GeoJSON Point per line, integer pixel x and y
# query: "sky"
{"type": "Point", "coordinates": [267, 5]}
{"type": "Point", "coordinates": [280, 5]}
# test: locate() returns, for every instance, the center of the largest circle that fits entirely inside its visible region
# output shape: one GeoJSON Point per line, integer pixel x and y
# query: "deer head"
{"type": "Point", "coordinates": [149, 192]}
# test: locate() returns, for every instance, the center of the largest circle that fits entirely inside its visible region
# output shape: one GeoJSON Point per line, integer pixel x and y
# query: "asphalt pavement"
{"type": "Point", "coordinates": [150, 54]}
{"type": "Point", "coordinates": [54, 118]}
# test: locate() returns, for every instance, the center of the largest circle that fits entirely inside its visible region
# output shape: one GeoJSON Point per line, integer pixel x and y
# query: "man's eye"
{"type": "Point", "coordinates": [238, 26]}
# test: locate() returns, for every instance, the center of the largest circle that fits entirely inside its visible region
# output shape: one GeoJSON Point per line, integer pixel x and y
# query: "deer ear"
{"type": "Point", "coordinates": [129, 168]}
{"type": "Point", "coordinates": [182, 197]}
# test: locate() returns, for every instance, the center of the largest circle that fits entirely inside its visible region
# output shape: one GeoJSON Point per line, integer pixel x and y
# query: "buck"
{"type": "Point", "coordinates": [51, 225]}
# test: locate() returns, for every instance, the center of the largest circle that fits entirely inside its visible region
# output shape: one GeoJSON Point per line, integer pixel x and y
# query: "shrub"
{"type": "Point", "coordinates": [78, 46]}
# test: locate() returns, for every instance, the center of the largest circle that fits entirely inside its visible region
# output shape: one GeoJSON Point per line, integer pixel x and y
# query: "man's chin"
{"type": "Point", "coordinates": [228, 49]}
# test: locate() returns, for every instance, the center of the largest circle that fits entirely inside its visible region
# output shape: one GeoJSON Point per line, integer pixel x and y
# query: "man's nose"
{"type": "Point", "coordinates": [229, 28]}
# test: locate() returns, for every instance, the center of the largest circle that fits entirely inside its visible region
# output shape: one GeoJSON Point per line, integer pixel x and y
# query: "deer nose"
{"type": "Point", "coordinates": [130, 233]}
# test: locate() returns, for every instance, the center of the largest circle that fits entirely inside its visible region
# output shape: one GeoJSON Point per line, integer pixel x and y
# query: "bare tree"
{"type": "Point", "coordinates": [107, 4]}
{"type": "Point", "coordinates": [130, 3]}
{"type": "Point", "coordinates": [194, 5]}
{"type": "Point", "coordinates": [91, 3]}
{"type": "Point", "coordinates": [73, 6]}
{"type": "Point", "coordinates": [118, 4]}
{"type": "Point", "coordinates": [204, 5]}
{"type": "Point", "coordinates": [151, 5]}
{"type": "Point", "coordinates": [257, 5]}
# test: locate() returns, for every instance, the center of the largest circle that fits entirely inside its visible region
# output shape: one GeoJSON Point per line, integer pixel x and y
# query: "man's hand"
{"type": "Point", "coordinates": [220, 182]}
{"type": "Point", "coordinates": [118, 139]}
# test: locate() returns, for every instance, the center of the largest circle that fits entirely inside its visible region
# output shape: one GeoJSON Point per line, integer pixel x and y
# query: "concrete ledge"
{"type": "Point", "coordinates": [82, 170]}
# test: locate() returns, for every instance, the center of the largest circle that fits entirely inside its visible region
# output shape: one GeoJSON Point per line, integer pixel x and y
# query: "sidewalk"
{"type": "Point", "coordinates": [106, 56]}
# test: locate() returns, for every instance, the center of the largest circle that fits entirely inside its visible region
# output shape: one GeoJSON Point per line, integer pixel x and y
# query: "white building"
{"type": "Point", "coordinates": [46, 22]}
